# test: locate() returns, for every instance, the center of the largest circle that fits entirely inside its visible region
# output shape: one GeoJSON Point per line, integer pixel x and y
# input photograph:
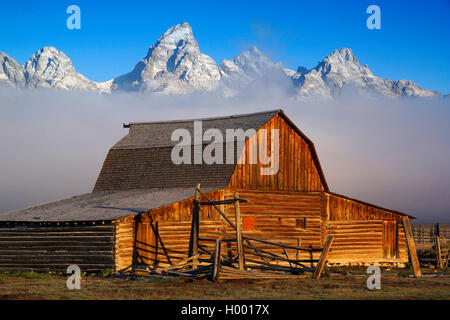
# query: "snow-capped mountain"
{"type": "Point", "coordinates": [47, 68]}
{"type": "Point", "coordinates": [11, 72]}
{"type": "Point", "coordinates": [409, 88]}
{"type": "Point", "coordinates": [51, 68]}
{"type": "Point", "coordinates": [341, 70]}
{"type": "Point", "coordinates": [247, 66]}
{"type": "Point", "coordinates": [173, 65]}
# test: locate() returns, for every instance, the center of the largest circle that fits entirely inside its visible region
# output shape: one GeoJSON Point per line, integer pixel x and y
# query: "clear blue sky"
{"type": "Point", "coordinates": [413, 43]}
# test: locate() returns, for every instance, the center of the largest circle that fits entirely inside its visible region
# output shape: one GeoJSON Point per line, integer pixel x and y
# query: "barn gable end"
{"type": "Point", "coordinates": [299, 166]}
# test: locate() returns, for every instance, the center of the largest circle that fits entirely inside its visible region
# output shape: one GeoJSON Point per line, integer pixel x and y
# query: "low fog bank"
{"type": "Point", "coordinates": [394, 153]}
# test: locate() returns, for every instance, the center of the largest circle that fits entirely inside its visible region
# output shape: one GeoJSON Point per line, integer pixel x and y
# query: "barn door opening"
{"type": "Point", "coordinates": [390, 239]}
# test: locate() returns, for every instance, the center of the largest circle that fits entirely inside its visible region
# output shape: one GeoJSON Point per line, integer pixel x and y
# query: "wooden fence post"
{"type": "Point", "coordinates": [323, 257]}
{"type": "Point", "coordinates": [298, 251]}
{"type": "Point", "coordinates": [216, 269]}
{"type": "Point", "coordinates": [422, 234]}
{"type": "Point", "coordinates": [439, 261]}
{"type": "Point", "coordinates": [193, 241]}
{"type": "Point", "coordinates": [411, 247]}
{"type": "Point", "coordinates": [437, 229]}
{"type": "Point", "coordinates": [238, 223]}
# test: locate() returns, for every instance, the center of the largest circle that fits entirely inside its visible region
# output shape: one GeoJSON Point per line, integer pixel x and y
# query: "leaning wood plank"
{"type": "Point", "coordinates": [323, 257]}
{"type": "Point", "coordinates": [438, 252]}
{"type": "Point", "coordinates": [216, 268]}
{"type": "Point", "coordinates": [274, 257]}
{"type": "Point", "coordinates": [178, 264]}
{"type": "Point", "coordinates": [270, 266]}
{"type": "Point", "coordinates": [193, 241]}
{"type": "Point", "coordinates": [411, 247]}
{"type": "Point", "coordinates": [156, 233]}
{"type": "Point", "coordinates": [181, 274]}
{"type": "Point", "coordinates": [281, 245]}
{"type": "Point", "coordinates": [287, 256]}
{"type": "Point", "coordinates": [240, 248]}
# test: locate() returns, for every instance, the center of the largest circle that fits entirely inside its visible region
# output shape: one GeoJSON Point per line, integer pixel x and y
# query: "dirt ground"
{"type": "Point", "coordinates": [335, 285]}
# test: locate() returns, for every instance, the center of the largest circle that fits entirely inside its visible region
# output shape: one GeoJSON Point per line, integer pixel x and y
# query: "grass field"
{"type": "Point", "coordinates": [352, 285]}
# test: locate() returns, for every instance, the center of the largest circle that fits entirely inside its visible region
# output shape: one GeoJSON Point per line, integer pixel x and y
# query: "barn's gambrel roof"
{"type": "Point", "coordinates": [142, 159]}
{"type": "Point", "coordinates": [157, 134]}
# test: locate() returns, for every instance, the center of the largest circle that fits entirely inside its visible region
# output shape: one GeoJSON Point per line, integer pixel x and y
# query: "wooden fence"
{"type": "Point", "coordinates": [426, 233]}
{"type": "Point", "coordinates": [241, 256]}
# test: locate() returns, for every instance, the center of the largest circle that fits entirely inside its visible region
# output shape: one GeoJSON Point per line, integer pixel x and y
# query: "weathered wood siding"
{"type": "Point", "coordinates": [282, 217]}
{"type": "Point", "coordinates": [297, 169]}
{"type": "Point", "coordinates": [364, 233]}
{"type": "Point", "coordinates": [55, 247]}
{"type": "Point", "coordinates": [162, 235]}
{"type": "Point", "coordinates": [124, 242]}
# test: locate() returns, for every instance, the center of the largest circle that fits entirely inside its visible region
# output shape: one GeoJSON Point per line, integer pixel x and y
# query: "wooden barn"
{"type": "Point", "coordinates": [140, 211]}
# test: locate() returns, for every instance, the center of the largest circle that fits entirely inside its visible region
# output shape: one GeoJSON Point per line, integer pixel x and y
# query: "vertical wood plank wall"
{"type": "Point", "coordinates": [124, 242]}
{"type": "Point", "coordinates": [363, 233]}
{"type": "Point", "coordinates": [297, 170]}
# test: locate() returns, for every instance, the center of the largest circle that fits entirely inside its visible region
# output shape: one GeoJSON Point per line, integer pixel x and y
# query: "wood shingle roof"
{"type": "Point", "coordinates": [100, 206]}
{"type": "Point", "coordinates": [142, 159]}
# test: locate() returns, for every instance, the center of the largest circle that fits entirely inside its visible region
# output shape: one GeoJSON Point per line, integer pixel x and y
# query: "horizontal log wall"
{"type": "Point", "coordinates": [363, 233]}
{"type": "Point", "coordinates": [297, 169]}
{"type": "Point", "coordinates": [282, 217]}
{"type": "Point", "coordinates": [55, 247]}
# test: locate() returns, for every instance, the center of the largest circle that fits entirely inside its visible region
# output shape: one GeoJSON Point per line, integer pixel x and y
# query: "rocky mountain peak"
{"type": "Point", "coordinates": [182, 31]}
{"type": "Point", "coordinates": [10, 71]}
{"type": "Point", "coordinates": [254, 62]}
{"type": "Point", "coordinates": [48, 64]}
{"type": "Point", "coordinates": [174, 64]}
{"type": "Point", "coordinates": [248, 65]}
{"type": "Point", "coordinates": [344, 56]}
{"type": "Point", "coordinates": [302, 70]}
{"type": "Point", "coordinates": [175, 38]}
{"type": "Point", "coordinates": [51, 68]}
